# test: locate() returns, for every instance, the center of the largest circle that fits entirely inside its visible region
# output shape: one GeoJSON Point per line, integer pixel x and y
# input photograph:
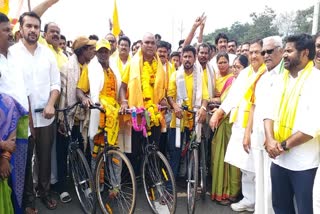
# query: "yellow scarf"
{"type": "Point", "coordinates": [135, 98]}
{"type": "Point", "coordinates": [120, 64]}
{"type": "Point", "coordinates": [109, 121]}
{"type": "Point", "coordinates": [248, 99]}
{"type": "Point", "coordinates": [289, 103]}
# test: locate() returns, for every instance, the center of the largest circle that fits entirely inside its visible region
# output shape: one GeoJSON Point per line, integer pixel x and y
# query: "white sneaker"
{"type": "Point", "coordinates": [239, 207]}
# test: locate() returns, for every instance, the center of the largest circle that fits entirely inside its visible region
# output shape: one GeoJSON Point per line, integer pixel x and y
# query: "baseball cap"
{"type": "Point", "coordinates": [103, 43]}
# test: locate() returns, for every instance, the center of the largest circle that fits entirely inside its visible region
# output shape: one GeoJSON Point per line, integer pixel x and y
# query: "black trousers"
{"type": "Point", "coordinates": [62, 156]}
{"type": "Point", "coordinates": [137, 141]}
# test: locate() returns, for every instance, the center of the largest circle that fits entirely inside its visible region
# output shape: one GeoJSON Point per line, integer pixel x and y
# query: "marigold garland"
{"type": "Point", "coordinates": [148, 77]}
{"type": "Point", "coordinates": [109, 88]}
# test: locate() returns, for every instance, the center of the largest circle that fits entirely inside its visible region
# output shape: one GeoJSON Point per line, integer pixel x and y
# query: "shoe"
{"type": "Point", "coordinates": [65, 197]}
{"type": "Point", "coordinates": [239, 207]}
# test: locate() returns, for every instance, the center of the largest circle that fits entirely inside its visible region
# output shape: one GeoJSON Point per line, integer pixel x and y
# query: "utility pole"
{"type": "Point", "coordinates": [181, 29]}
{"type": "Point", "coordinates": [29, 5]}
{"type": "Point", "coordinates": [315, 17]}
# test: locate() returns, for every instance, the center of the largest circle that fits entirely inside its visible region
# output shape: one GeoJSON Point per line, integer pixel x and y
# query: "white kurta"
{"type": "Point", "coordinates": [262, 162]}
{"type": "Point", "coordinates": [235, 154]}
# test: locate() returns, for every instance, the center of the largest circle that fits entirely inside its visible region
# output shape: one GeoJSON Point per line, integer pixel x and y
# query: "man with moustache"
{"type": "Point", "coordinates": [186, 88]}
{"type": "Point", "coordinates": [291, 126]}
{"type": "Point", "coordinates": [44, 78]}
{"type": "Point", "coordinates": [238, 102]}
{"type": "Point", "coordinates": [232, 46]}
{"type": "Point", "coordinates": [254, 136]}
{"type": "Point", "coordinates": [122, 59]}
{"type": "Point", "coordinates": [163, 53]}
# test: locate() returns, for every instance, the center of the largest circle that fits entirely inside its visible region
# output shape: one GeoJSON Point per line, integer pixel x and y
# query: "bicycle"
{"type": "Point", "coordinates": [81, 172]}
{"type": "Point", "coordinates": [157, 176]}
{"type": "Point", "coordinates": [194, 169]}
{"type": "Point", "coordinates": [114, 178]}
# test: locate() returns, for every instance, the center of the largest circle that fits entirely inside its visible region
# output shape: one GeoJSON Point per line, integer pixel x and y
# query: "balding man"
{"type": "Point", "coordinates": [144, 79]}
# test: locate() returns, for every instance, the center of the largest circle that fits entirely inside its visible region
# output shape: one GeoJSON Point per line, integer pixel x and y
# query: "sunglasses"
{"type": "Point", "coordinates": [112, 41]}
{"type": "Point", "coordinates": [270, 51]}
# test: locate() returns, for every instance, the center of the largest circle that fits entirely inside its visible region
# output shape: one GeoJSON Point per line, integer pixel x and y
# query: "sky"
{"type": "Point", "coordinates": [172, 19]}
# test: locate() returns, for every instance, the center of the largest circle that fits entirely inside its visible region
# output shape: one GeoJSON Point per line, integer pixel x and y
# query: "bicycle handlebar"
{"type": "Point", "coordinates": [68, 108]}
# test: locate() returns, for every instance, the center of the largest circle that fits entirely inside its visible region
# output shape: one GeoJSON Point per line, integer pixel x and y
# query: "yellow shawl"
{"type": "Point", "coordinates": [135, 98]}
{"type": "Point", "coordinates": [248, 99]}
{"type": "Point", "coordinates": [289, 103]}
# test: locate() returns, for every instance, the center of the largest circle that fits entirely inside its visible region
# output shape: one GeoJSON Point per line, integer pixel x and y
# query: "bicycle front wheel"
{"type": "Point", "coordinates": [192, 182]}
{"type": "Point", "coordinates": [83, 181]}
{"type": "Point", "coordinates": [203, 170]}
{"type": "Point", "coordinates": [159, 183]}
{"type": "Point", "coordinates": [115, 183]}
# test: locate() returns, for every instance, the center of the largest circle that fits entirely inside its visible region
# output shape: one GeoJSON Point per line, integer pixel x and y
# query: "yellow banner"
{"type": "Point", "coordinates": [4, 6]}
{"type": "Point", "coordinates": [115, 20]}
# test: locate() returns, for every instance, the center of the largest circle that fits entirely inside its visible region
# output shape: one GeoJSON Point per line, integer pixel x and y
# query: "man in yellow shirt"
{"type": "Point", "coordinates": [144, 79]}
{"type": "Point", "coordinates": [186, 87]}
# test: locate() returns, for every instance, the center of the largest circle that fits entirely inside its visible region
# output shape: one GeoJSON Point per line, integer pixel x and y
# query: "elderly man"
{"type": "Point", "coordinates": [144, 79]}
{"type": "Point", "coordinates": [291, 124]}
{"type": "Point", "coordinates": [272, 52]}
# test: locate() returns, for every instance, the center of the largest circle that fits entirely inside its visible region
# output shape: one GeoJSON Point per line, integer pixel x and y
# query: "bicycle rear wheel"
{"type": "Point", "coordinates": [192, 182]}
{"type": "Point", "coordinates": [83, 181]}
{"type": "Point", "coordinates": [159, 183]}
{"type": "Point", "coordinates": [203, 170]}
{"type": "Point", "coordinates": [115, 183]}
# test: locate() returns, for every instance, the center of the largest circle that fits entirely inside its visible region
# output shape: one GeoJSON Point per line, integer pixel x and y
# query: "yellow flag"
{"type": "Point", "coordinates": [115, 22]}
{"type": "Point", "coordinates": [4, 6]}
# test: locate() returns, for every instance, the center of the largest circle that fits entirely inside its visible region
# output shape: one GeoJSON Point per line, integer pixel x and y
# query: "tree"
{"type": "Point", "coordinates": [262, 25]}
{"type": "Point", "coordinates": [286, 23]}
{"type": "Point", "coordinates": [303, 20]}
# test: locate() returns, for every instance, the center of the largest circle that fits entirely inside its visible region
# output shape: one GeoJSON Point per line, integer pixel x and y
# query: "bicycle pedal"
{"type": "Point", "coordinates": [87, 192]}
{"type": "Point", "coordinates": [83, 181]}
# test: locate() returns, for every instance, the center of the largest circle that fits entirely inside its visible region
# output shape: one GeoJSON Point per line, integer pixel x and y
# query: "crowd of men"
{"type": "Point", "coordinates": [262, 142]}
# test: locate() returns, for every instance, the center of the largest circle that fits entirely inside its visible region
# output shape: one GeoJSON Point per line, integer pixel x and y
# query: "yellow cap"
{"type": "Point", "coordinates": [103, 43]}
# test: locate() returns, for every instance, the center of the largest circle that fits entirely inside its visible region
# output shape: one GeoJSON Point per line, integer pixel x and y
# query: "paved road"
{"type": "Point", "coordinates": [142, 207]}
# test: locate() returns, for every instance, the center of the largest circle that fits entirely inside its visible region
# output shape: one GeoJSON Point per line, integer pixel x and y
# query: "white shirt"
{"type": "Point", "coordinates": [306, 155]}
{"type": "Point", "coordinates": [262, 91]}
{"type": "Point", "coordinates": [41, 73]}
{"type": "Point", "coordinates": [236, 91]}
{"type": "Point", "coordinates": [12, 82]}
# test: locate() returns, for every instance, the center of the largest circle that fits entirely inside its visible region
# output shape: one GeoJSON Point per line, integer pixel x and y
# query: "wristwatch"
{"type": "Point", "coordinates": [284, 145]}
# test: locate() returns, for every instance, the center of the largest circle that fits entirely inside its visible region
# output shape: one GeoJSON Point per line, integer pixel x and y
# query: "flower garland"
{"type": "Point", "coordinates": [148, 77]}
{"type": "Point", "coordinates": [142, 126]}
{"type": "Point", "coordinates": [109, 88]}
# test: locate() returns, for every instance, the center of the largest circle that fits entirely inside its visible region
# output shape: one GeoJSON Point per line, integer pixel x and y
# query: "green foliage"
{"type": "Point", "coordinates": [266, 24]}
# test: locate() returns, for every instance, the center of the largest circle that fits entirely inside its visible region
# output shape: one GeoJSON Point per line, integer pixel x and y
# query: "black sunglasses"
{"type": "Point", "coordinates": [270, 51]}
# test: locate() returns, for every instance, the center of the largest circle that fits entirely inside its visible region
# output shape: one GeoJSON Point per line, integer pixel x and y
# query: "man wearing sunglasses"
{"type": "Point", "coordinates": [272, 53]}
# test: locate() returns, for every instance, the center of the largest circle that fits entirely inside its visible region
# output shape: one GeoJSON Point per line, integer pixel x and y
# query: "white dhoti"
{"type": "Point", "coordinates": [262, 164]}
{"type": "Point", "coordinates": [236, 156]}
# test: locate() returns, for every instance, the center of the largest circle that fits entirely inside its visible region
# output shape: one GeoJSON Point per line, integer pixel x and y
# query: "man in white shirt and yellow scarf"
{"type": "Point", "coordinates": [291, 123]}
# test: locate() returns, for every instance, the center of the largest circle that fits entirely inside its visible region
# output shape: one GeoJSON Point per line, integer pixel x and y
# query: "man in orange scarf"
{"type": "Point", "coordinates": [292, 123]}
{"type": "Point", "coordinates": [144, 79]}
